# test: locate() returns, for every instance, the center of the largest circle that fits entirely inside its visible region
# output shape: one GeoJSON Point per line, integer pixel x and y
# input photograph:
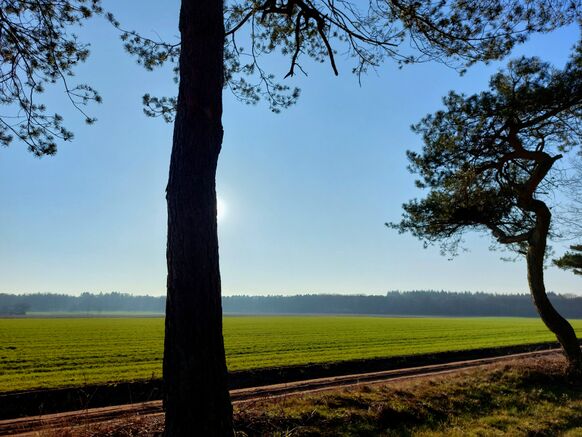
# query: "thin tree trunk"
{"type": "Point", "coordinates": [196, 395]}
{"type": "Point", "coordinates": [535, 275]}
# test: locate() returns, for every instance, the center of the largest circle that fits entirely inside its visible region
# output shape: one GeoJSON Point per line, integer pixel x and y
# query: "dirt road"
{"type": "Point", "coordinates": [32, 426]}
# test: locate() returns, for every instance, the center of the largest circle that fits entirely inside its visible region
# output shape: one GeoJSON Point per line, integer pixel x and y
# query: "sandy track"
{"type": "Point", "coordinates": [32, 426]}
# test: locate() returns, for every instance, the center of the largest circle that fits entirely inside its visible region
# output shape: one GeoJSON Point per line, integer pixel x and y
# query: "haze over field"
{"type": "Point", "coordinates": [303, 194]}
{"type": "Point", "coordinates": [416, 303]}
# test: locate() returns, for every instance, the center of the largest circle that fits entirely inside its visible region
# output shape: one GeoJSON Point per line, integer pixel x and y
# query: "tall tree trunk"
{"type": "Point", "coordinates": [196, 395]}
{"type": "Point", "coordinates": [535, 275]}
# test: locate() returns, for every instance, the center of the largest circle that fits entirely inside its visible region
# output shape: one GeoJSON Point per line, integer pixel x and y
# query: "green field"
{"type": "Point", "coordinates": [57, 352]}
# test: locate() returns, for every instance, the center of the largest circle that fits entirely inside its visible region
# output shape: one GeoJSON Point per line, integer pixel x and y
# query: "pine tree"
{"type": "Point", "coordinates": [487, 164]}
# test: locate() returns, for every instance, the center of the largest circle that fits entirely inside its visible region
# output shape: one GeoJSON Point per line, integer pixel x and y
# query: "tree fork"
{"type": "Point", "coordinates": [196, 395]}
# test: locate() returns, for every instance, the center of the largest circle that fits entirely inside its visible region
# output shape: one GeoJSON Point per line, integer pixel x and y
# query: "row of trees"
{"type": "Point", "coordinates": [417, 303]}
{"type": "Point", "coordinates": [86, 302]}
{"type": "Point", "coordinates": [414, 303]}
{"type": "Point", "coordinates": [37, 47]}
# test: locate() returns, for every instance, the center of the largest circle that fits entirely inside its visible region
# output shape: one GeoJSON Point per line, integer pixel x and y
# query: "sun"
{"type": "Point", "coordinates": [220, 209]}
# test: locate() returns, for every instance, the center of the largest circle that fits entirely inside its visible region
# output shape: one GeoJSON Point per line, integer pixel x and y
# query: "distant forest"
{"type": "Point", "coordinates": [411, 303]}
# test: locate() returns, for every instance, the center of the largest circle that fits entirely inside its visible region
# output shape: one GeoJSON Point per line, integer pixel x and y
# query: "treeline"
{"type": "Point", "coordinates": [12, 304]}
{"type": "Point", "coordinates": [411, 303]}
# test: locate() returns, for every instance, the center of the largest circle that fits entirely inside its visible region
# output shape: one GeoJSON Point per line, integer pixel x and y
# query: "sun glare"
{"type": "Point", "coordinates": [220, 209]}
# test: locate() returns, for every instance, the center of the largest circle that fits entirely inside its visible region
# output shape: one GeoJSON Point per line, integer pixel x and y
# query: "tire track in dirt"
{"type": "Point", "coordinates": [32, 426]}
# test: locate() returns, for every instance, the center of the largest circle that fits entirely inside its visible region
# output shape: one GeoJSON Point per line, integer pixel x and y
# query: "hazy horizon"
{"type": "Point", "coordinates": [289, 294]}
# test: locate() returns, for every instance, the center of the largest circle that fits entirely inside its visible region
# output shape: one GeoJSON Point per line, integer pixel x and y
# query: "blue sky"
{"type": "Point", "coordinates": [305, 192]}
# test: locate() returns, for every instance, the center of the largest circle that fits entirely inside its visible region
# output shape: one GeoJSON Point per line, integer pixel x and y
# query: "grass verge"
{"type": "Point", "coordinates": [522, 398]}
{"type": "Point", "coordinates": [530, 397]}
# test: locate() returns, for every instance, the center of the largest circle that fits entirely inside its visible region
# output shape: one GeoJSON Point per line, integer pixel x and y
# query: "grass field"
{"type": "Point", "coordinates": [58, 352]}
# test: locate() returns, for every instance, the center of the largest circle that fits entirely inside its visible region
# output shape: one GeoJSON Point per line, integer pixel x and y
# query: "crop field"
{"type": "Point", "coordinates": [58, 352]}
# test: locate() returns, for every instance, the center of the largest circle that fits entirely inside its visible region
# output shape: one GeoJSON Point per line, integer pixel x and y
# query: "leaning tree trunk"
{"type": "Point", "coordinates": [196, 396]}
{"type": "Point", "coordinates": [535, 275]}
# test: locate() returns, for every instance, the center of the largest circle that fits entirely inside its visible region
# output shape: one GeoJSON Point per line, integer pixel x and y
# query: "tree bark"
{"type": "Point", "coordinates": [196, 397]}
{"type": "Point", "coordinates": [535, 274]}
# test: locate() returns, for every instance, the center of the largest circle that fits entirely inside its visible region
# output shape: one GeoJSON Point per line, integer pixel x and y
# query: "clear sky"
{"type": "Point", "coordinates": [305, 193]}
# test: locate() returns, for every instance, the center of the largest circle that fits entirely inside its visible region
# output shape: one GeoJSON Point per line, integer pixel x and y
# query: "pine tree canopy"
{"type": "Point", "coordinates": [571, 260]}
{"type": "Point", "coordinates": [456, 33]}
{"type": "Point", "coordinates": [37, 48]}
{"type": "Point", "coordinates": [487, 158]}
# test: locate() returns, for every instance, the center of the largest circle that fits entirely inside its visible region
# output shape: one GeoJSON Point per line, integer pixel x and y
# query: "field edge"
{"type": "Point", "coordinates": [38, 402]}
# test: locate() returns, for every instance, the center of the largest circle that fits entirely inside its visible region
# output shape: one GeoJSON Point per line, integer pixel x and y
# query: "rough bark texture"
{"type": "Point", "coordinates": [535, 275]}
{"type": "Point", "coordinates": [196, 396]}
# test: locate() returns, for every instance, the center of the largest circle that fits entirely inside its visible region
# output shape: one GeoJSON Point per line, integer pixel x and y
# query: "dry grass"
{"type": "Point", "coordinates": [136, 426]}
{"type": "Point", "coordinates": [522, 398]}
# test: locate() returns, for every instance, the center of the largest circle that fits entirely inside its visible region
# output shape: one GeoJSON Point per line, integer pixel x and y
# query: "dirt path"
{"type": "Point", "coordinates": [32, 426]}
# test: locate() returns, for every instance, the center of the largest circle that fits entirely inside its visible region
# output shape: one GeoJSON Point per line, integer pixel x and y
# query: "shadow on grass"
{"type": "Point", "coordinates": [532, 397]}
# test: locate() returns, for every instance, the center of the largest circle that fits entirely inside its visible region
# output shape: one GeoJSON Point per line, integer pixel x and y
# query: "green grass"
{"type": "Point", "coordinates": [58, 352]}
